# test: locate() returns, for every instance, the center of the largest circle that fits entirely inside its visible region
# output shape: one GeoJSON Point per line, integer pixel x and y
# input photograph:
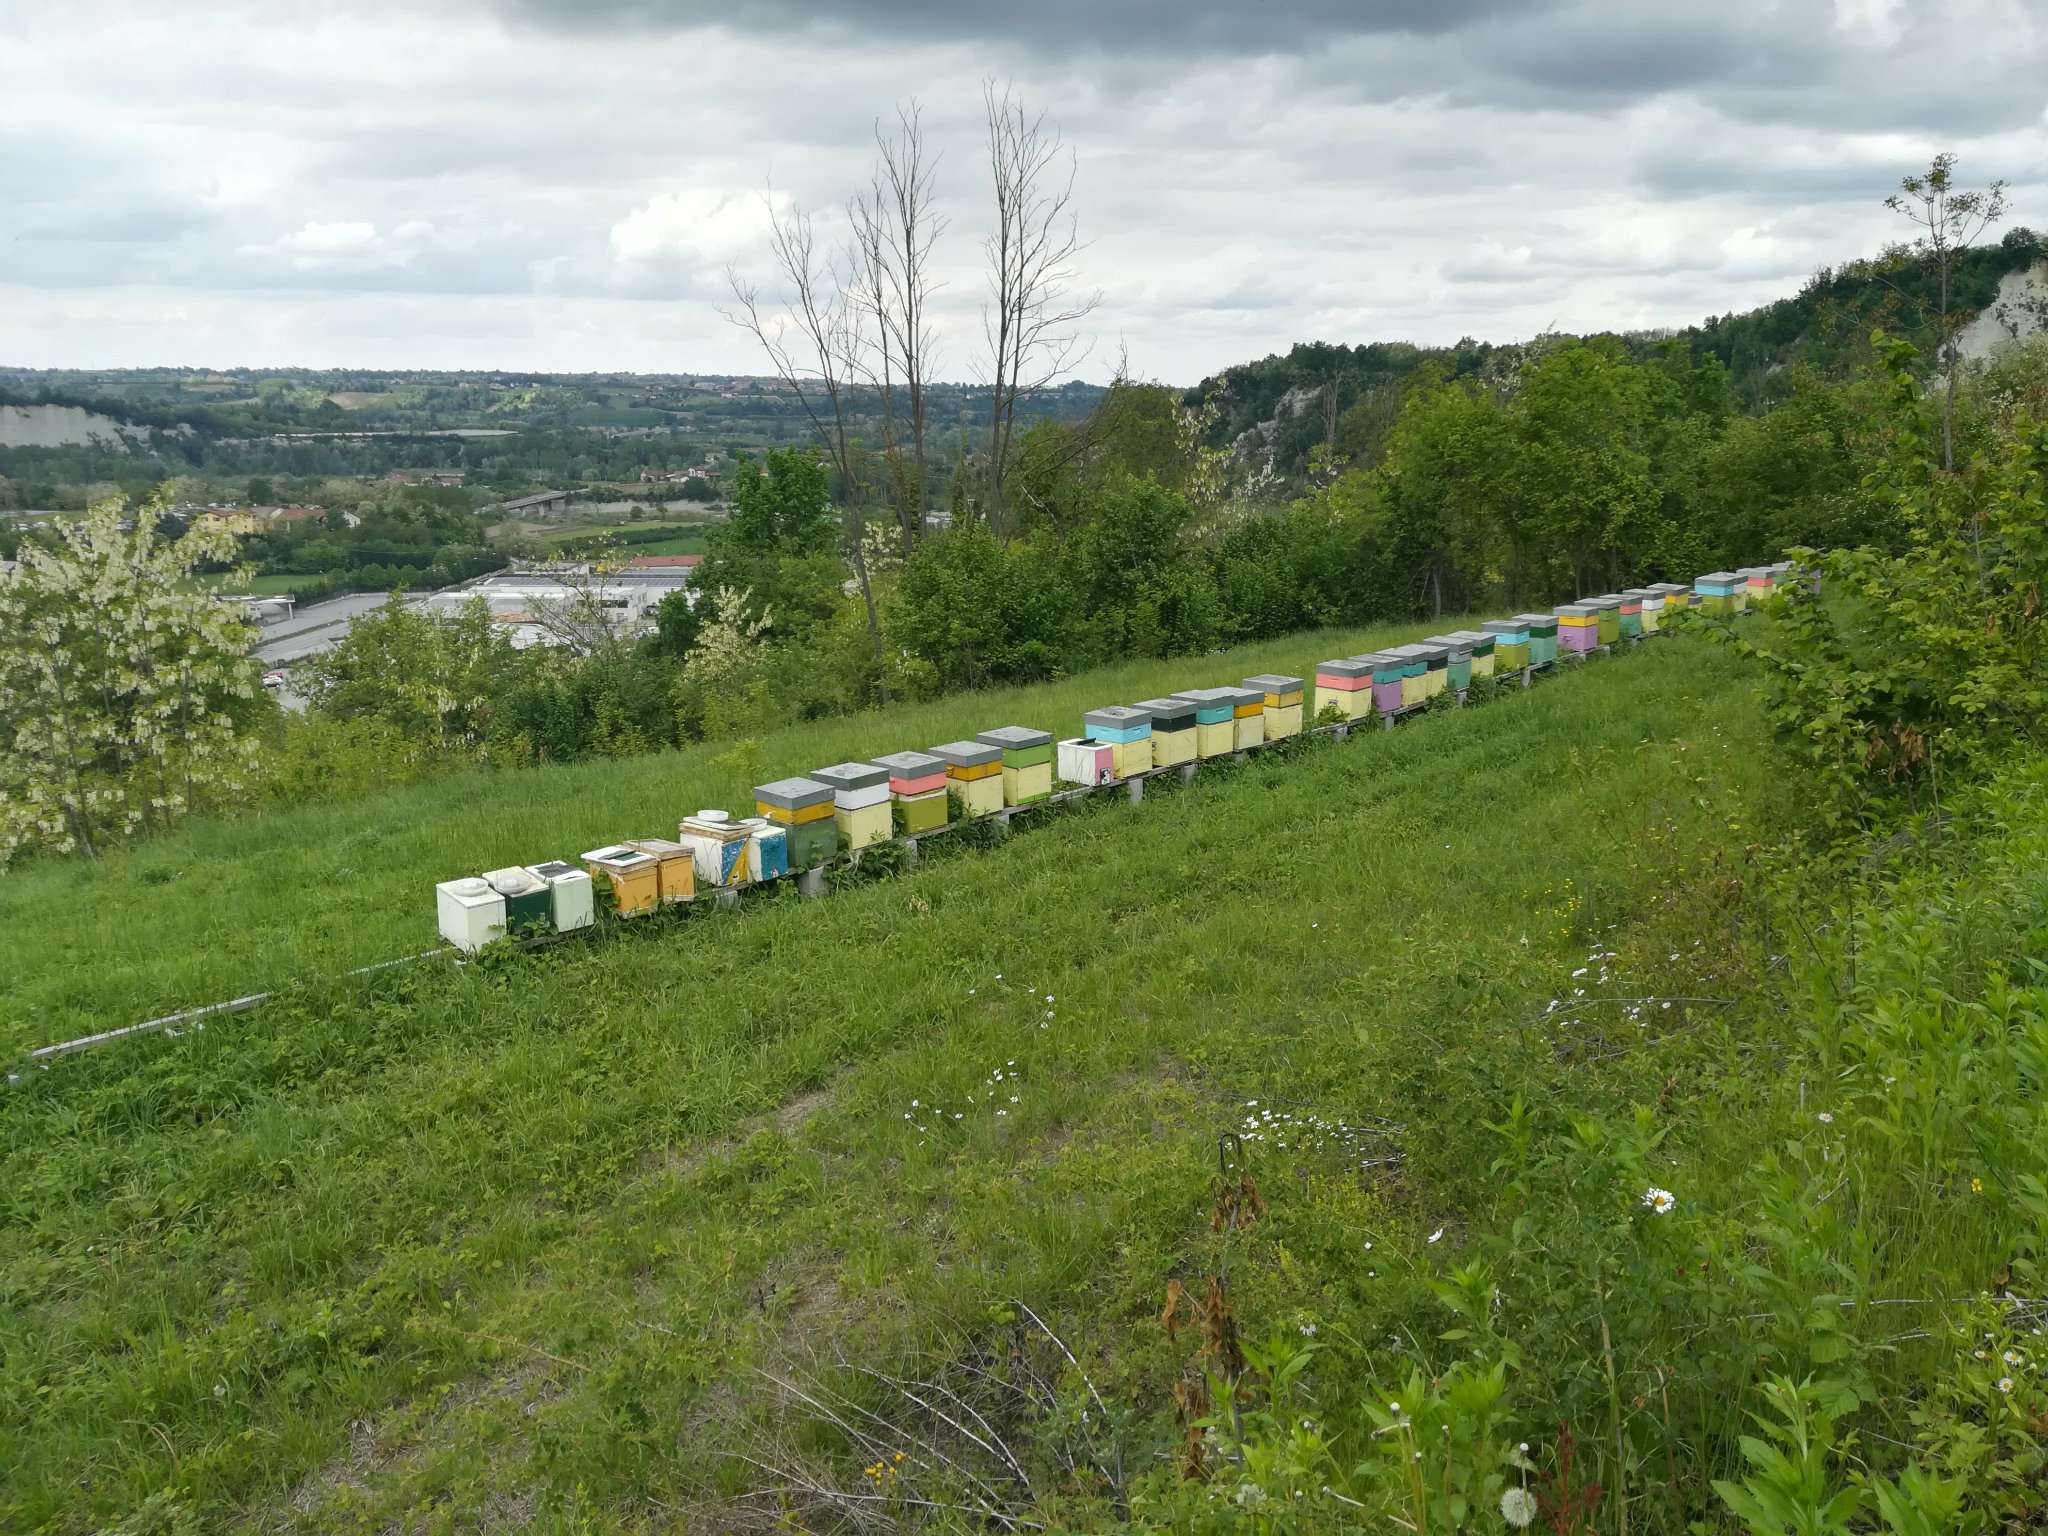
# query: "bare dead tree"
{"type": "Point", "coordinates": [896, 226]}
{"type": "Point", "coordinates": [814, 344]}
{"type": "Point", "coordinates": [1031, 322]}
{"type": "Point", "coordinates": [1949, 220]}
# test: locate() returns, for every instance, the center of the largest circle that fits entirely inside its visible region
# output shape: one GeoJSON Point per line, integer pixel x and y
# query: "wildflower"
{"type": "Point", "coordinates": [1518, 1507]}
{"type": "Point", "coordinates": [1048, 997]}
{"type": "Point", "coordinates": [1659, 1201]}
{"type": "Point", "coordinates": [1439, 1232]}
{"type": "Point", "coordinates": [1250, 1495]}
{"type": "Point", "coordinates": [2005, 1383]}
{"type": "Point", "coordinates": [2012, 1357]}
{"type": "Point", "coordinates": [1825, 1118]}
{"type": "Point", "coordinates": [1308, 1330]}
{"type": "Point", "coordinates": [1983, 1354]}
{"type": "Point", "coordinates": [1976, 1186]}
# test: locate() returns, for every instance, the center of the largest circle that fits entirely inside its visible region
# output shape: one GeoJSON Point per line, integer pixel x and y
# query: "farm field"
{"type": "Point", "coordinates": [461, 1248]}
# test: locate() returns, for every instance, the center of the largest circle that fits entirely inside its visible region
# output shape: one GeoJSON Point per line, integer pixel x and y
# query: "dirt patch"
{"type": "Point", "coordinates": [786, 1119]}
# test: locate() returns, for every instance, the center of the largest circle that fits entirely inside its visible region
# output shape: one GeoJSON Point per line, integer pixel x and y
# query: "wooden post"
{"type": "Point", "coordinates": [811, 883]}
{"type": "Point", "coordinates": [1135, 788]}
{"type": "Point", "coordinates": [1187, 773]}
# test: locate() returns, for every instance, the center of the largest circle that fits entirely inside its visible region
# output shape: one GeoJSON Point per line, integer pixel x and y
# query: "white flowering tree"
{"type": "Point", "coordinates": [127, 700]}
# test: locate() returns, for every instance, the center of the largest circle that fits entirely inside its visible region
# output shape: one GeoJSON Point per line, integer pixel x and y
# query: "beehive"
{"type": "Point", "coordinates": [676, 866]}
{"type": "Point", "coordinates": [974, 775]}
{"type": "Point", "coordinates": [1542, 637]}
{"type": "Point", "coordinates": [1717, 591]}
{"type": "Point", "coordinates": [803, 809]}
{"type": "Point", "coordinates": [1082, 761]}
{"type": "Point", "coordinates": [1761, 582]}
{"type": "Point", "coordinates": [1578, 627]}
{"type": "Point", "coordinates": [570, 896]}
{"type": "Point", "coordinates": [1457, 661]}
{"type": "Point", "coordinates": [1173, 731]}
{"type": "Point", "coordinates": [529, 909]}
{"type": "Point", "coordinates": [718, 845]}
{"type": "Point", "coordinates": [1389, 677]}
{"type": "Point", "coordinates": [1606, 617]}
{"type": "Point", "coordinates": [1480, 644]}
{"type": "Point", "coordinates": [1126, 729]}
{"type": "Point", "coordinates": [1630, 607]}
{"type": "Point", "coordinates": [1340, 684]}
{"type": "Point", "coordinates": [1650, 605]}
{"type": "Point", "coordinates": [470, 914]}
{"type": "Point", "coordinates": [1417, 684]}
{"type": "Point", "coordinates": [768, 856]}
{"type": "Point", "coordinates": [1510, 643]}
{"type": "Point", "coordinates": [634, 877]}
{"type": "Point", "coordinates": [917, 790]}
{"type": "Point", "coordinates": [860, 802]}
{"type": "Point", "coordinates": [1280, 698]}
{"type": "Point", "coordinates": [1248, 717]}
{"type": "Point", "coordinates": [1215, 720]}
{"type": "Point", "coordinates": [1027, 762]}
{"type": "Point", "coordinates": [1677, 598]}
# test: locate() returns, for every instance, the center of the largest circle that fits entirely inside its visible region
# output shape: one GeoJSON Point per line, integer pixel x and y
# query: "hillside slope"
{"type": "Point", "coordinates": [511, 1242]}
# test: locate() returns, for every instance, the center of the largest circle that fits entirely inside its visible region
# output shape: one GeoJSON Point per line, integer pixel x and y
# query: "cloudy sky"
{"type": "Point", "coordinates": [561, 184]}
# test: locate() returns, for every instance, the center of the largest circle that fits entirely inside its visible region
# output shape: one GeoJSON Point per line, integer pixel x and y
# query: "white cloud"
{"type": "Point", "coordinates": [695, 228]}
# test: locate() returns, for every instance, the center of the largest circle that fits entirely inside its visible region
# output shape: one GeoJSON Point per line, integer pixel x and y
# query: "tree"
{"type": "Point", "coordinates": [1949, 220]}
{"type": "Point", "coordinates": [895, 229]}
{"type": "Point", "coordinates": [1031, 320]}
{"type": "Point", "coordinates": [127, 699]}
{"type": "Point", "coordinates": [434, 677]}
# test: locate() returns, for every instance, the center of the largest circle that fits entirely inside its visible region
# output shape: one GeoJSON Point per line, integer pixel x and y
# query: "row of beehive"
{"type": "Point", "coordinates": [801, 823]}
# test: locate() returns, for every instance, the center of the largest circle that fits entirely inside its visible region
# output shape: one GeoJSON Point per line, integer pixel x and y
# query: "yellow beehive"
{"type": "Point", "coordinates": [1133, 757]}
{"type": "Point", "coordinates": [634, 877]}
{"type": "Point", "coordinates": [1027, 785]}
{"type": "Point", "coordinates": [677, 875]}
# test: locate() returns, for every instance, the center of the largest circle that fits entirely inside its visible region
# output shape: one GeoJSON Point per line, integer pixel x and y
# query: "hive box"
{"type": "Point", "coordinates": [860, 802]}
{"type": "Point", "coordinates": [470, 913]}
{"type": "Point", "coordinates": [1388, 674]}
{"type": "Point", "coordinates": [1280, 699]}
{"type": "Point", "coordinates": [1215, 719]}
{"type": "Point", "coordinates": [1027, 762]}
{"type": "Point", "coordinates": [1419, 680]}
{"type": "Point", "coordinates": [1173, 731]}
{"type": "Point", "coordinates": [1128, 730]}
{"type": "Point", "coordinates": [718, 845]}
{"type": "Point", "coordinates": [1649, 605]}
{"type": "Point", "coordinates": [1631, 607]}
{"type": "Point", "coordinates": [803, 809]}
{"type": "Point", "coordinates": [1542, 637]}
{"type": "Point", "coordinates": [528, 907]}
{"type": "Point", "coordinates": [1578, 627]}
{"type": "Point", "coordinates": [1510, 644]}
{"type": "Point", "coordinates": [769, 854]}
{"type": "Point", "coordinates": [1717, 591]}
{"type": "Point", "coordinates": [1342, 684]}
{"type": "Point", "coordinates": [678, 866]}
{"type": "Point", "coordinates": [634, 877]}
{"type": "Point", "coordinates": [1248, 717]}
{"type": "Point", "coordinates": [1089, 762]}
{"type": "Point", "coordinates": [1457, 660]}
{"type": "Point", "coordinates": [1480, 644]}
{"type": "Point", "coordinates": [572, 902]}
{"type": "Point", "coordinates": [1761, 582]}
{"type": "Point", "coordinates": [917, 789]}
{"type": "Point", "coordinates": [1606, 617]}
{"type": "Point", "coordinates": [974, 774]}
{"type": "Point", "coordinates": [1677, 598]}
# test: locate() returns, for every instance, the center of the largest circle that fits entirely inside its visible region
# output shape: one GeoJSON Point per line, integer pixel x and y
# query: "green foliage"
{"type": "Point", "coordinates": [433, 677]}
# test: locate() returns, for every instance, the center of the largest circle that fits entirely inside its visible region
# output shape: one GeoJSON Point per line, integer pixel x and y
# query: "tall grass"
{"type": "Point", "coordinates": [528, 1225]}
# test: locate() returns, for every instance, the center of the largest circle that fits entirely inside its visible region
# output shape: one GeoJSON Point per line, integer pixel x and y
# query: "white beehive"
{"type": "Point", "coordinates": [471, 913]}
{"type": "Point", "coordinates": [574, 897]}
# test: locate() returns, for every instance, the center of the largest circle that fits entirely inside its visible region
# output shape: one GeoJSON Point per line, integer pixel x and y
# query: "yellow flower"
{"type": "Point", "coordinates": [1976, 1186]}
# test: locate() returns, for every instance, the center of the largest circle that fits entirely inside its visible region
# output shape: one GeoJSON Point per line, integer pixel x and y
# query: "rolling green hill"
{"type": "Point", "coordinates": [533, 1239]}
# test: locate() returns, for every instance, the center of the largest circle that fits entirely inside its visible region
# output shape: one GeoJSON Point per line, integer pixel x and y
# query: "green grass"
{"type": "Point", "coordinates": [528, 1225]}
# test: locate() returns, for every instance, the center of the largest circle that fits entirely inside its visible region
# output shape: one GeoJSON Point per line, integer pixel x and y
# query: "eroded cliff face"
{"type": "Point", "coordinates": [61, 426]}
{"type": "Point", "coordinates": [2018, 314]}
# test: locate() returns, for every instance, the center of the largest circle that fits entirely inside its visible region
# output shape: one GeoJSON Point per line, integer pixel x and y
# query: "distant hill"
{"type": "Point", "coordinates": [1323, 391]}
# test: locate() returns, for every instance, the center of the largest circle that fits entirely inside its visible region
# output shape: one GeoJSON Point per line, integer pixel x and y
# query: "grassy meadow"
{"type": "Point", "coordinates": [218, 909]}
{"type": "Point", "coordinates": [531, 1240]}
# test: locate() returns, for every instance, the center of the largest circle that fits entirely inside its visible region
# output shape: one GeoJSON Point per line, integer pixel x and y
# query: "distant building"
{"type": "Point", "coordinates": [451, 478]}
{"type": "Point", "coordinates": [300, 515]}
{"type": "Point", "coordinates": [516, 598]}
{"type": "Point", "coordinates": [236, 520]}
{"type": "Point", "coordinates": [540, 504]}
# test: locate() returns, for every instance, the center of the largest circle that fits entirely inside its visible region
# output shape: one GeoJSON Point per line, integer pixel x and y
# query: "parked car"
{"type": "Point", "coordinates": [273, 679]}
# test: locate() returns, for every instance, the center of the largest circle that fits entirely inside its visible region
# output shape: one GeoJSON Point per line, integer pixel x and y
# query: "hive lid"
{"type": "Point", "coordinates": [468, 885]}
{"type": "Point", "coordinates": [1117, 717]}
{"type": "Point", "coordinates": [1273, 682]}
{"type": "Point", "coordinates": [617, 853]}
{"type": "Point", "coordinates": [1537, 618]}
{"type": "Point", "coordinates": [661, 847]}
{"type": "Point", "coordinates": [1450, 645]}
{"type": "Point", "coordinates": [555, 870]}
{"type": "Point", "coordinates": [1201, 696]}
{"type": "Point", "coordinates": [911, 765]}
{"type": "Point", "coordinates": [1167, 710]}
{"type": "Point", "coordinates": [1014, 737]}
{"type": "Point", "coordinates": [795, 793]}
{"type": "Point", "coordinates": [1605, 600]}
{"type": "Point", "coordinates": [1506, 626]}
{"type": "Point", "coordinates": [1575, 610]}
{"type": "Point", "coordinates": [1347, 666]}
{"type": "Point", "coordinates": [1640, 592]}
{"type": "Point", "coordinates": [967, 754]}
{"type": "Point", "coordinates": [1719, 578]}
{"type": "Point", "coordinates": [851, 775]}
{"type": "Point", "coordinates": [516, 881]}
